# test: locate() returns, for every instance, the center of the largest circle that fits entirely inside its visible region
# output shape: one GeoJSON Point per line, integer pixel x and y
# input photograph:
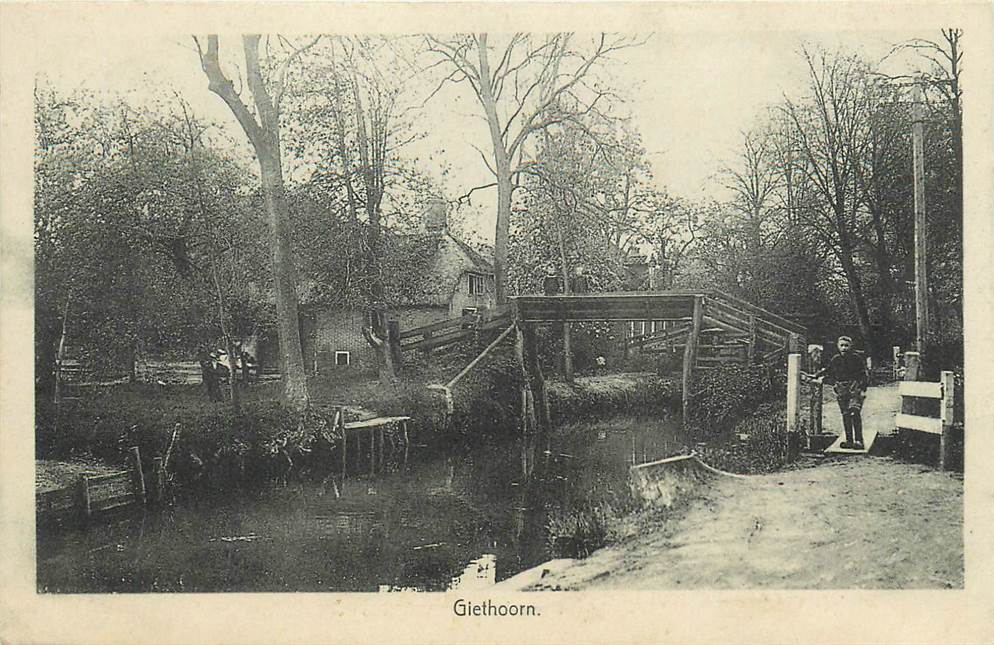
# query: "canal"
{"type": "Point", "coordinates": [439, 522]}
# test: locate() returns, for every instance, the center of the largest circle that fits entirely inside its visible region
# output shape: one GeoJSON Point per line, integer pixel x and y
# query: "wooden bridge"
{"type": "Point", "coordinates": [712, 328]}
{"type": "Point", "coordinates": [709, 327]}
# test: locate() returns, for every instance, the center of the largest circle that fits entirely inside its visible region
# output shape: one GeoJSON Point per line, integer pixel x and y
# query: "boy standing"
{"type": "Point", "coordinates": [847, 370]}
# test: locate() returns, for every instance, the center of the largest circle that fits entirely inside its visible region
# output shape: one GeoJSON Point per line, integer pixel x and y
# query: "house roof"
{"type": "Point", "coordinates": [480, 263]}
{"type": "Point", "coordinates": [422, 269]}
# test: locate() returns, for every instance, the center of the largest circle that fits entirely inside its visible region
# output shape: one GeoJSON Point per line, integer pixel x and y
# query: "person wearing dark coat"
{"type": "Point", "coordinates": [209, 376]}
{"type": "Point", "coordinates": [551, 285]}
{"type": "Point", "coordinates": [847, 371]}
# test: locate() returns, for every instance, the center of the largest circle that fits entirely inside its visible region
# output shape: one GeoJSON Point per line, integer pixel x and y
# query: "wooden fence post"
{"type": "Point", "coordinates": [690, 356]}
{"type": "Point", "coordinates": [896, 355]}
{"type": "Point", "coordinates": [816, 388]}
{"type": "Point", "coordinates": [947, 414]}
{"type": "Point", "coordinates": [139, 476]}
{"type": "Point", "coordinates": [911, 368]}
{"type": "Point", "coordinates": [793, 391]}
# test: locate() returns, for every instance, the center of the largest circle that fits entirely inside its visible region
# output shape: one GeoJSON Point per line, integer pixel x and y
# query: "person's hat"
{"type": "Point", "coordinates": [844, 338]}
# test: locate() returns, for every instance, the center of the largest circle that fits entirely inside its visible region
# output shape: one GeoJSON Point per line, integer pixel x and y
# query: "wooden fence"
{"type": "Point", "coordinates": [453, 330]}
{"type": "Point", "coordinates": [94, 494]}
{"type": "Point", "coordinates": [945, 392]}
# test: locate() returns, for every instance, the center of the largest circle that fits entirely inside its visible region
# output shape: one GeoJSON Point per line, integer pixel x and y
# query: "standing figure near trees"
{"type": "Point", "coordinates": [209, 376]}
{"type": "Point", "coordinates": [847, 371]}
{"type": "Point", "coordinates": [551, 284]}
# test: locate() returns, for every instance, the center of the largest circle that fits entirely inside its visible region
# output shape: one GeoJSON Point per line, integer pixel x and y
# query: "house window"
{"type": "Point", "coordinates": [343, 358]}
{"type": "Point", "coordinates": [477, 284]}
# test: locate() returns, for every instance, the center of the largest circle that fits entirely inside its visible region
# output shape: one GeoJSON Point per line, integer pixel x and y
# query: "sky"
{"type": "Point", "coordinates": [690, 95]}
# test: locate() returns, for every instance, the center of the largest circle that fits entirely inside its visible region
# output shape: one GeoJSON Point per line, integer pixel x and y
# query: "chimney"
{"type": "Point", "coordinates": [435, 217]}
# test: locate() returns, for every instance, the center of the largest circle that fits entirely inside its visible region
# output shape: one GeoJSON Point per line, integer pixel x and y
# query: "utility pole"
{"type": "Point", "coordinates": [921, 280]}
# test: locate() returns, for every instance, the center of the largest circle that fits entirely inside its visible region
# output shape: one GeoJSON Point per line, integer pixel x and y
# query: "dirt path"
{"type": "Point", "coordinates": [853, 522]}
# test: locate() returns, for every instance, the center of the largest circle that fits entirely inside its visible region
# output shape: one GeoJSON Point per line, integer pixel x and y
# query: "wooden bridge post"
{"type": "Point", "coordinates": [946, 413]}
{"type": "Point", "coordinates": [793, 395]}
{"type": "Point", "coordinates": [690, 355]}
{"type": "Point", "coordinates": [817, 393]}
{"type": "Point", "coordinates": [896, 356]}
{"type": "Point", "coordinates": [752, 338]}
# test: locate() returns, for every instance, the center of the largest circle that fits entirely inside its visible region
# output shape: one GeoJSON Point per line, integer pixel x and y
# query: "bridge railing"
{"type": "Point", "coordinates": [454, 330]}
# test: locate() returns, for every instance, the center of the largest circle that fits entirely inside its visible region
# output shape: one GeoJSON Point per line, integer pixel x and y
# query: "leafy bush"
{"type": "Point", "coordinates": [598, 396]}
{"type": "Point", "coordinates": [723, 396]}
{"type": "Point", "coordinates": [215, 446]}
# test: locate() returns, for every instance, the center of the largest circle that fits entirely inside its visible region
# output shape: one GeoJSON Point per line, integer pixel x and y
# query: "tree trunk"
{"type": "Point", "coordinates": [264, 135]}
{"type": "Point", "coordinates": [857, 298]}
{"type": "Point", "coordinates": [504, 189]}
{"type": "Point", "coordinates": [502, 168]}
{"type": "Point", "coordinates": [229, 347]}
{"type": "Point", "coordinates": [284, 281]}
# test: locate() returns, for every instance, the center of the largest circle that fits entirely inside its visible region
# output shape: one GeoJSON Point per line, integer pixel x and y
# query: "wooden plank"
{"type": "Point", "coordinates": [97, 479]}
{"type": "Point", "coordinates": [439, 341]}
{"type": "Point", "coordinates": [923, 389]}
{"type": "Point", "coordinates": [718, 360]}
{"type": "Point", "coordinates": [764, 330]}
{"type": "Point", "coordinates": [922, 424]}
{"type": "Point", "coordinates": [436, 326]}
{"type": "Point", "coordinates": [793, 391]}
{"type": "Point", "coordinates": [869, 436]}
{"type": "Point", "coordinates": [108, 503]}
{"type": "Point", "coordinates": [370, 423]}
{"type": "Point", "coordinates": [777, 319]}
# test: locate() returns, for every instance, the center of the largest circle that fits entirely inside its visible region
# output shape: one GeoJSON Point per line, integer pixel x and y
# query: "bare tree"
{"type": "Point", "coordinates": [829, 138]}
{"type": "Point", "coordinates": [522, 94]}
{"type": "Point", "coordinates": [263, 131]}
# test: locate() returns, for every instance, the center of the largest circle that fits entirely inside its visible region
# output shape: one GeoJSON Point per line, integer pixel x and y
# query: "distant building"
{"type": "Point", "coordinates": [445, 278]}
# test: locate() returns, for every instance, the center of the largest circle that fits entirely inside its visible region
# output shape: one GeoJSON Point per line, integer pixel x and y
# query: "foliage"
{"type": "Point", "coordinates": [820, 220]}
{"type": "Point", "coordinates": [134, 222]}
{"type": "Point", "coordinates": [216, 447]}
{"type": "Point", "coordinates": [605, 395]}
{"type": "Point", "coordinates": [722, 396]}
{"type": "Point", "coordinates": [763, 450]}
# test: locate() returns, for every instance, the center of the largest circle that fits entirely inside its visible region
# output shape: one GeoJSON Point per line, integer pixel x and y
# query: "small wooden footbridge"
{"type": "Point", "coordinates": [709, 328]}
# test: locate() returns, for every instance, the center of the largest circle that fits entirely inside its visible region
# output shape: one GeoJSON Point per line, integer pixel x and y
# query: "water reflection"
{"type": "Point", "coordinates": [445, 522]}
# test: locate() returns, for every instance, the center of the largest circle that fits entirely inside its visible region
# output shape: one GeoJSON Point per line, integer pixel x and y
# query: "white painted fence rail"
{"type": "Point", "coordinates": [945, 392]}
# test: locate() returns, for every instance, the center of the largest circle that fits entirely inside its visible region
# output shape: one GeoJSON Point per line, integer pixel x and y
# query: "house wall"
{"type": "Point", "coordinates": [341, 330]}
{"type": "Point", "coordinates": [461, 297]}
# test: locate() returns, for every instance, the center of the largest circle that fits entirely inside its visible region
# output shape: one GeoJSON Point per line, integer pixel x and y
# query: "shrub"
{"type": "Point", "coordinates": [600, 396]}
{"type": "Point", "coordinates": [723, 396]}
{"type": "Point", "coordinates": [215, 446]}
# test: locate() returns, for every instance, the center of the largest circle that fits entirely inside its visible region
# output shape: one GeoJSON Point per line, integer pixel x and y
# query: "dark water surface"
{"type": "Point", "coordinates": [439, 523]}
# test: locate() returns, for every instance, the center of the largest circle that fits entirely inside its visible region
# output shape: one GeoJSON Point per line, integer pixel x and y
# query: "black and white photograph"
{"type": "Point", "coordinates": [395, 309]}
